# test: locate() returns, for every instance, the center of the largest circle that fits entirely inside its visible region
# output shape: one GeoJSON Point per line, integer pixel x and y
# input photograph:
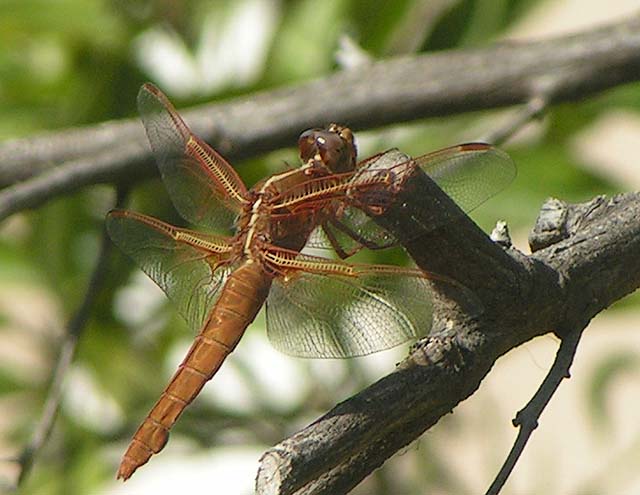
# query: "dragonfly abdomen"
{"type": "Point", "coordinates": [240, 300]}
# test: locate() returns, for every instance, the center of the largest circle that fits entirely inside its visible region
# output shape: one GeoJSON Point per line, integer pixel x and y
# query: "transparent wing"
{"type": "Point", "coordinates": [354, 229]}
{"type": "Point", "coordinates": [330, 309]}
{"type": "Point", "coordinates": [318, 240]}
{"type": "Point", "coordinates": [189, 267]}
{"type": "Point", "coordinates": [469, 173]}
{"type": "Point", "coordinates": [331, 235]}
{"type": "Point", "coordinates": [204, 188]}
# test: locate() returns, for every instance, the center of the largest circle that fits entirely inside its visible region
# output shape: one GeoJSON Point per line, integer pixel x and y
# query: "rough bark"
{"type": "Point", "coordinates": [588, 262]}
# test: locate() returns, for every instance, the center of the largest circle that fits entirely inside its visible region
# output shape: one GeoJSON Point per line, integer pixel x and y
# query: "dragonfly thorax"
{"type": "Point", "coordinates": [258, 225]}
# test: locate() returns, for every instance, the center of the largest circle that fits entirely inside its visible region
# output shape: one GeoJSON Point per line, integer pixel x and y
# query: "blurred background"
{"type": "Point", "coordinates": [76, 62]}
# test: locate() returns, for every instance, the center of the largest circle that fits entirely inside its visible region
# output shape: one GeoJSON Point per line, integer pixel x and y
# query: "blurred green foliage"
{"type": "Point", "coordinates": [74, 62]}
{"type": "Point", "coordinates": [612, 366]}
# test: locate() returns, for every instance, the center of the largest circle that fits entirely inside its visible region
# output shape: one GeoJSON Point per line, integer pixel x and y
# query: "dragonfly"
{"type": "Point", "coordinates": [316, 306]}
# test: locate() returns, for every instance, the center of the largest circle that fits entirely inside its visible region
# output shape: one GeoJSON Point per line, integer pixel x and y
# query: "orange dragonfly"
{"type": "Point", "coordinates": [316, 306]}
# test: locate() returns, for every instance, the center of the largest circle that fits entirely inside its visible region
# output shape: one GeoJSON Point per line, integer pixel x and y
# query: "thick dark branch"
{"type": "Point", "coordinates": [593, 263]}
{"type": "Point", "coordinates": [385, 92]}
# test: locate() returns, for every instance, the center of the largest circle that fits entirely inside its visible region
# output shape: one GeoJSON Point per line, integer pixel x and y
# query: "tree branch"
{"type": "Point", "coordinates": [527, 418]}
{"type": "Point", "coordinates": [534, 109]}
{"type": "Point", "coordinates": [562, 286]}
{"type": "Point", "coordinates": [396, 90]}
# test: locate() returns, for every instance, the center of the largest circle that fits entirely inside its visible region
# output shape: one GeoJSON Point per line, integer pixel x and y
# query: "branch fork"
{"type": "Point", "coordinates": [523, 297]}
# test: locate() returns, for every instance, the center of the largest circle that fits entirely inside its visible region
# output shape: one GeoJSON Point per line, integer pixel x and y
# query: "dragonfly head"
{"type": "Point", "coordinates": [331, 149]}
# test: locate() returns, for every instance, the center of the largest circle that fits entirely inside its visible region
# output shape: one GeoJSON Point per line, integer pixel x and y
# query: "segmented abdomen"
{"type": "Point", "coordinates": [240, 300]}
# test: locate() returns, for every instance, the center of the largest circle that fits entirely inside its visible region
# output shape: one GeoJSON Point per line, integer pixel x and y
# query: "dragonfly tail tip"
{"type": "Point", "coordinates": [127, 468]}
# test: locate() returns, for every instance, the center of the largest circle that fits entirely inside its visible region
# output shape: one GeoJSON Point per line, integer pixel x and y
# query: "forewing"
{"type": "Point", "coordinates": [189, 267]}
{"type": "Point", "coordinates": [314, 311]}
{"type": "Point", "coordinates": [469, 173]}
{"type": "Point", "coordinates": [204, 188]}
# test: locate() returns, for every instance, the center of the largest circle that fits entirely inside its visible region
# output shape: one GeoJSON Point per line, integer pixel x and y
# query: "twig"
{"type": "Point", "coordinates": [74, 330]}
{"type": "Point", "coordinates": [527, 418]}
{"type": "Point", "coordinates": [532, 110]}
{"type": "Point", "coordinates": [391, 91]}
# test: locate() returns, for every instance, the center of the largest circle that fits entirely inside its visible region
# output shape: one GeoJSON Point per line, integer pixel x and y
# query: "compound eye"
{"type": "Point", "coordinates": [347, 135]}
{"type": "Point", "coordinates": [308, 144]}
